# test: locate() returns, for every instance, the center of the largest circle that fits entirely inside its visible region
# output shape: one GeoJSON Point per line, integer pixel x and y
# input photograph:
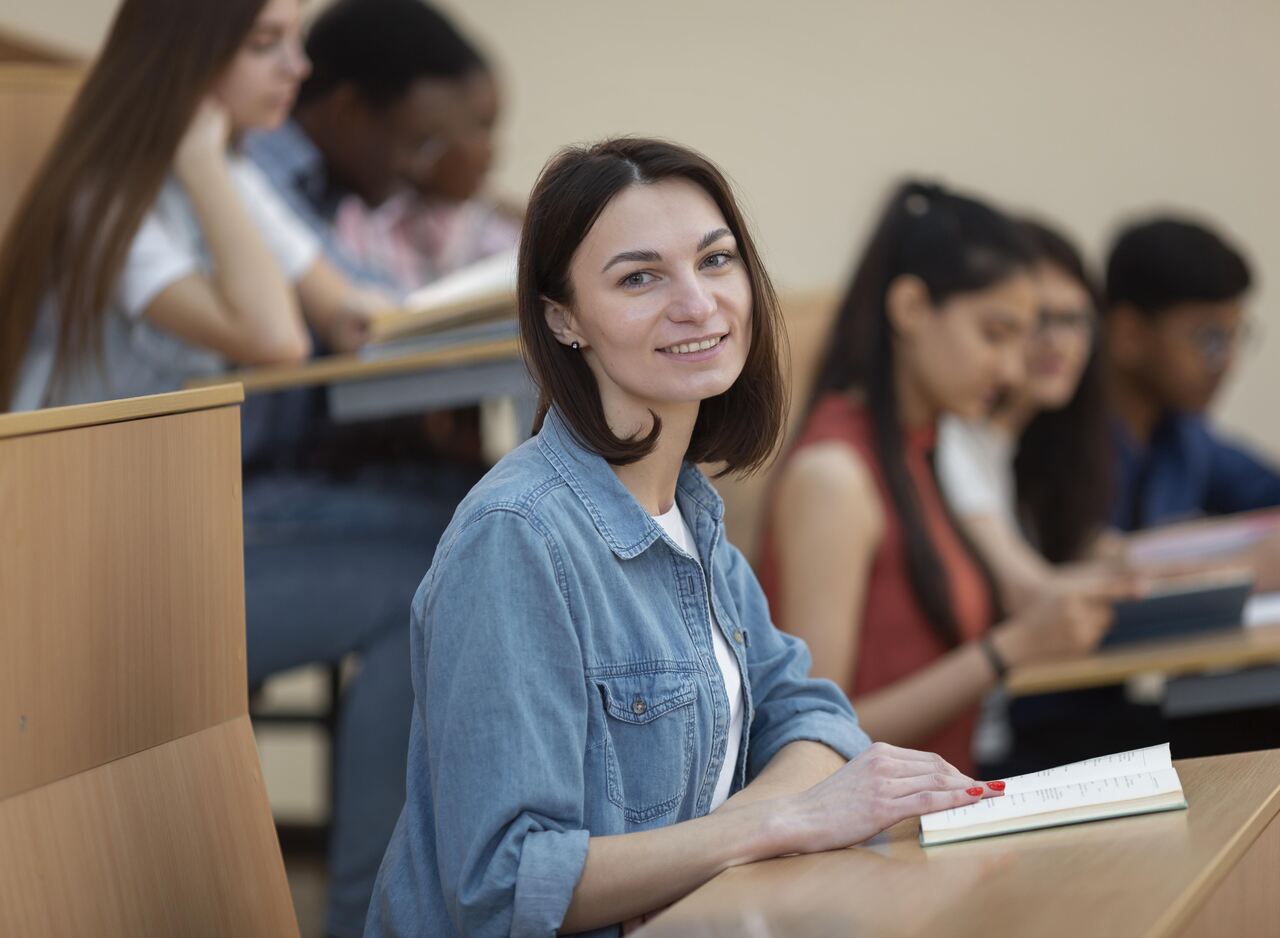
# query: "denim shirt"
{"type": "Point", "coordinates": [1185, 472]}
{"type": "Point", "coordinates": [567, 687]}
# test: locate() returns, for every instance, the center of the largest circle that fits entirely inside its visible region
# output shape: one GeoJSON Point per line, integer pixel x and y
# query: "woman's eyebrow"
{"type": "Point", "coordinates": [649, 256]}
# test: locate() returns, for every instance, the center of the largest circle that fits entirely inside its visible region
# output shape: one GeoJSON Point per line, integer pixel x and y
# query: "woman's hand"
{"type": "Point", "coordinates": [205, 139]}
{"type": "Point", "coordinates": [882, 786]}
{"type": "Point", "coordinates": [1067, 620]}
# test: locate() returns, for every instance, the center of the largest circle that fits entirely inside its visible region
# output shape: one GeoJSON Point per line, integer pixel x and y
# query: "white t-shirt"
{"type": "Point", "coordinates": [678, 530]}
{"type": "Point", "coordinates": [975, 469]}
{"type": "Point", "coordinates": [137, 357]}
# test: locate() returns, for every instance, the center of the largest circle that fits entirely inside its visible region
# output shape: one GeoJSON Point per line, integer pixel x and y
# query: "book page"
{"type": "Point", "coordinates": [1097, 791]}
{"type": "Point", "coordinates": [496, 274]}
{"type": "Point", "coordinates": [1151, 759]}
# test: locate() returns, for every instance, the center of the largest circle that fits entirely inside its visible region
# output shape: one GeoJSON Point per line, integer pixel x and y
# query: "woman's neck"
{"type": "Point", "coordinates": [1014, 414]}
{"type": "Point", "coordinates": [652, 480]}
{"type": "Point", "coordinates": [915, 407]}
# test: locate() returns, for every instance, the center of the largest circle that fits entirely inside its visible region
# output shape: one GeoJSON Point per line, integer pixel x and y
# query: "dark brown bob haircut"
{"type": "Point", "coordinates": [741, 427]}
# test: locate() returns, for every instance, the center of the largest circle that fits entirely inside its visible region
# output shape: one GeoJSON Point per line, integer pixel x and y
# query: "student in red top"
{"type": "Point", "coordinates": [862, 559]}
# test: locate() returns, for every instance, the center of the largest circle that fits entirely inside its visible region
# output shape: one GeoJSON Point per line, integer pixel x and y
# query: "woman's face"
{"type": "Point", "coordinates": [964, 352]}
{"type": "Point", "coordinates": [459, 173]}
{"type": "Point", "coordinates": [259, 85]}
{"type": "Point", "coordinates": [1060, 345]}
{"type": "Point", "coordinates": [661, 302]}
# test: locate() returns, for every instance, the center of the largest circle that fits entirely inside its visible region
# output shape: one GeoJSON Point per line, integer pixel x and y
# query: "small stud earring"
{"type": "Point", "coordinates": [573, 345]}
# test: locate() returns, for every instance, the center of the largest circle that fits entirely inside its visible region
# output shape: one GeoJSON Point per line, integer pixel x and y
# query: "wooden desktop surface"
{"type": "Point", "coordinates": [1209, 870]}
{"type": "Point", "coordinates": [1240, 648]}
{"type": "Point", "coordinates": [333, 369]}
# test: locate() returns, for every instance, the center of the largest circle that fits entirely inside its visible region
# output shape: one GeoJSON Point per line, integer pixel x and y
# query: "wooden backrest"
{"type": "Point", "coordinates": [808, 318]}
{"type": "Point", "coordinates": [34, 98]}
{"type": "Point", "coordinates": [131, 797]}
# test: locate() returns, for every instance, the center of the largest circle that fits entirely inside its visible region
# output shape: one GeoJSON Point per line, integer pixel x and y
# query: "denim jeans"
{"type": "Point", "coordinates": [330, 569]}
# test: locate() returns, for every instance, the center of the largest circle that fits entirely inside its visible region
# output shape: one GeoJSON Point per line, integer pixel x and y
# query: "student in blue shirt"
{"type": "Point", "coordinates": [605, 716]}
{"type": "Point", "coordinates": [1175, 321]}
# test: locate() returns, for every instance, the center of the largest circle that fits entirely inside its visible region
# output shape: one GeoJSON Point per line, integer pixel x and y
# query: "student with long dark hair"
{"type": "Point", "coordinates": [862, 558]}
{"type": "Point", "coordinates": [148, 251]}
{"type": "Point", "coordinates": [606, 718]}
{"type": "Point", "coordinates": [1031, 481]}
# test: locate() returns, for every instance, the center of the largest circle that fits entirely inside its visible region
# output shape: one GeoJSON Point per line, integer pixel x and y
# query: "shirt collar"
{"type": "Point", "coordinates": [621, 520]}
{"type": "Point", "coordinates": [293, 156]}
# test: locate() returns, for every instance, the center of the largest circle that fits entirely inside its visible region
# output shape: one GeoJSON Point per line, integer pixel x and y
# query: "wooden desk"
{"type": "Point", "coordinates": [1208, 871]}
{"type": "Point", "coordinates": [407, 376]}
{"type": "Point", "coordinates": [1245, 648]}
{"type": "Point", "coordinates": [131, 798]}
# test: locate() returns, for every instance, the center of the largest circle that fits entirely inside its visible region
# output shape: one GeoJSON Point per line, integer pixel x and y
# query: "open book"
{"type": "Point", "coordinates": [1139, 782]}
{"type": "Point", "coordinates": [478, 292]}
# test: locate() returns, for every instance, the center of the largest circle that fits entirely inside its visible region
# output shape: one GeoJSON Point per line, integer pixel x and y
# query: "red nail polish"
{"type": "Point", "coordinates": [996, 786]}
{"type": "Point", "coordinates": [974, 791]}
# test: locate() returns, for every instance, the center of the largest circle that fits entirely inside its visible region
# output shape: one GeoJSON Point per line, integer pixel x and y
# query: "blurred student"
{"type": "Point", "coordinates": [148, 251]}
{"type": "Point", "coordinates": [1031, 481]}
{"type": "Point", "coordinates": [862, 558]}
{"type": "Point", "coordinates": [1175, 322]}
{"type": "Point", "coordinates": [440, 221]}
{"type": "Point", "coordinates": [389, 89]}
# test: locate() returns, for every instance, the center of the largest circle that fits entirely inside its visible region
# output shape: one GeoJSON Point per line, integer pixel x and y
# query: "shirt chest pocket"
{"type": "Point", "coordinates": [649, 740]}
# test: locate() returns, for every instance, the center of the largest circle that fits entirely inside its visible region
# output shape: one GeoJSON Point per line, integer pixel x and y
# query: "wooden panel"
{"type": "Point", "coordinates": [17, 47]}
{"type": "Point", "coordinates": [26, 423]}
{"type": "Point", "coordinates": [33, 101]}
{"type": "Point", "coordinates": [1246, 904]}
{"type": "Point", "coordinates": [356, 367]}
{"type": "Point", "coordinates": [121, 591]}
{"type": "Point", "coordinates": [1141, 876]}
{"type": "Point", "coordinates": [173, 842]}
{"type": "Point", "coordinates": [1242, 648]}
{"type": "Point", "coordinates": [808, 317]}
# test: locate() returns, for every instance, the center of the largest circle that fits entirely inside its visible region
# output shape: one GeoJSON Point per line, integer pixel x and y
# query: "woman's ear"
{"type": "Point", "coordinates": [908, 305]}
{"type": "Point", "coordinates": [561, 323]}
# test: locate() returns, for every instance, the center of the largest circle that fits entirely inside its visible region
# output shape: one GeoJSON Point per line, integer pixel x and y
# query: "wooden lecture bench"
{"type": "Point", "coordinates": [1205, 872]}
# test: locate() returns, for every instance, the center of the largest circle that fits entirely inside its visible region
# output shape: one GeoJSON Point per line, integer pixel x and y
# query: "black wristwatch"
{"type": "Point", "coordinates": [998, 664]}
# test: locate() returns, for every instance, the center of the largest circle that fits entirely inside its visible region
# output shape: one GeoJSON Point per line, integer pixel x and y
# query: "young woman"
{"type": "Point", "coordinates": [441, 222]}
{"type": "Point", "coordinates": [605, 716]}
{"type": "Point", "coordinates": [861, 558]}
{"type": "Point", "coordinates": [1031, 481]}
{"type": "Point", "coordinates": [148, 251]}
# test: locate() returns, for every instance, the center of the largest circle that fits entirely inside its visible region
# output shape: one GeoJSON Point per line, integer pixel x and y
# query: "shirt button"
{"type": "Point", "coordinates": [638, 706]}
{"type": "Point", "coordinates": [737, 636]}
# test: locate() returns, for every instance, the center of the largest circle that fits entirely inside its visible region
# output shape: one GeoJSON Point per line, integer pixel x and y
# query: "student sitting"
{"type": "Point", "coordinates": [1174, 321]}
{"type": "Point", "coordinates": [148, 251]}
{"type": "Point", "coordinates": [606, 717]}
{"type": "Point", "coordinates": [440, 222]}
{"type": "Point", "coordinates": [862, 558]}
{"type": "Point", "coordinates": [386, 95]}
{"type": "Point", "coordinates": [1031, 481]}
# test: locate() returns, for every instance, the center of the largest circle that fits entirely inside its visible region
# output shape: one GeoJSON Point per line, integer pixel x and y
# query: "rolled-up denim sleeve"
{"type": "Point", "coordinates": [503, 703]}
{"type": "Point", "coordinates": [789, 704]}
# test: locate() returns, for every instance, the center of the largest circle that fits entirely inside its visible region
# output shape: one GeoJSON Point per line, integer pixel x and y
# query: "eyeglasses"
{"type": "Point", "coordinates": [1217, 343]}
{"type": "Point", "coordinates": [1075, 322]}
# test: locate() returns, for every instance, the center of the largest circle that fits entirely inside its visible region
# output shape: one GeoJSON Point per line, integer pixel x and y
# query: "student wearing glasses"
{"type": "Point", "coordinates": [1175, 322]}
{"type": "Point", "coordinates": [1031, 480]}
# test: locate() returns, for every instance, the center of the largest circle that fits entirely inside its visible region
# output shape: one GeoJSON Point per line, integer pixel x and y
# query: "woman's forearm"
{"type": "Point", "coordinates": [627, 875]}
{"type": "Point", "coordinates": [254, 288]}
{"type": "Point", "coordinates": [795, 767]}
{"type": "Point", "coordinates": [910, 711]}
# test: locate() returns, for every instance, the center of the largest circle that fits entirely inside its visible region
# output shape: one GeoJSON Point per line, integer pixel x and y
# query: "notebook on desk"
{"type": "Point", "coordinates": [1142, 781]}
{"type": "Point", "coordinates": [479, 292]}
{"type": "Point", "coordinates": [1183, 606]}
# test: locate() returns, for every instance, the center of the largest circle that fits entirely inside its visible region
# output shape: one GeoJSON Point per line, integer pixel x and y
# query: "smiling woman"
{"type": "Point", "coordinates": [620, 720]}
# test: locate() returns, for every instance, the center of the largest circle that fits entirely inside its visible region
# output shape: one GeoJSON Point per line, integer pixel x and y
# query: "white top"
{"type": "Point", "coordinates": [678, 530]}
{"type": "Point", "coordinates": [137, 357]}
{"type": "Point", "coordinates": [975, 469]}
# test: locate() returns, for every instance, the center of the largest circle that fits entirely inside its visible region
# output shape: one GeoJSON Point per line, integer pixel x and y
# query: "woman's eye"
{"type": "Point", "coordinates": [639, 279]}
{"type": "Point", "coordinates": [719, 259]}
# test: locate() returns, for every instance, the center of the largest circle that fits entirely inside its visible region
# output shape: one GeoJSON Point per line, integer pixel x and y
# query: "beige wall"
{"type": "Point", "coordinates": [1083, 111]}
